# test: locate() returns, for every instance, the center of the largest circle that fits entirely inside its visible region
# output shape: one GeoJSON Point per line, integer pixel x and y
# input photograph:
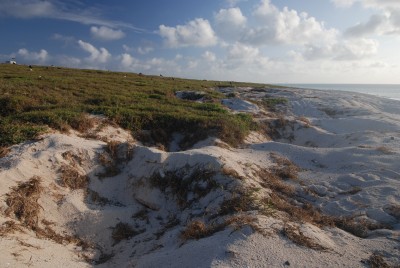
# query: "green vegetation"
{"type": "Point", "coordinates": [271, 103]}
{"type": "Point", "coordinates": [32, 101]}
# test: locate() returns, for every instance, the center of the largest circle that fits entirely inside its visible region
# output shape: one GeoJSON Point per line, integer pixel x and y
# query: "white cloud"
{"type": "Point", "coordinates": [143, 50]}
{"type": "Point", "coordinates": [60, 10]}
{"type": "Point", "coordinates": [97, 56]}
{"type": "Point", "coordinates": [26, 9]}
{"type": "Point", "coordinates": [209, 56]}
{"type": "Point", "coordinates": [343, 3]}
{"type": "Point", "coordinates": [63, 38]}
{"type": "Point", "coordinates": [230, 23]}
{"type": "Point", "coordinates": [286, 27]}
{"type": "Point", "coordinates": [232, 3]}
{"type": "Point", "coordinates": [105, 33]}
{"type": "Point", "coordinates": [241, 51]}
{"type": "Point", "coordinates": [40, 57]}
{"type": "Point", "coordinates": [386, 22]}
{"type": "Point", "coordinates": [128, 61]}
{"type": "Point", "coordinates": [197, 32]}
{"type": "Point", "coordinates": [355, 49]}
{"type": "Point", "coordinates": [373, 25]}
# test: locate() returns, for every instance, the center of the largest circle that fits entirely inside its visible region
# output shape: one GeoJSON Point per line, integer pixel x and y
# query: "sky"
{"type": "Point", "coordinates": [267, 41]}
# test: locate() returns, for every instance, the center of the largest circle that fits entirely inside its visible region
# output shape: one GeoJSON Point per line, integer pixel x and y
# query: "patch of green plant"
{"type": "Point", "coordinates": [58, 97]}
{"type": "Point", "coordinates": [13, 133]}
{"type": "Point", "coordinates": [271, 103]}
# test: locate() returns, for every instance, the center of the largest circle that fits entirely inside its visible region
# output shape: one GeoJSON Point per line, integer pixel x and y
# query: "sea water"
{"type": "Point", "coordinates": [383, 90]}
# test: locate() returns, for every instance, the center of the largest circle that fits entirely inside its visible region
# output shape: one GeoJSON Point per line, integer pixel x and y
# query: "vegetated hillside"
{"type": "Point", "coordinates": [31, 101]}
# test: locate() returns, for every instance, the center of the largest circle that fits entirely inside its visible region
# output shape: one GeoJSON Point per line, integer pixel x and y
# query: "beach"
{"type": "Point", "coordinates": [316, 186]}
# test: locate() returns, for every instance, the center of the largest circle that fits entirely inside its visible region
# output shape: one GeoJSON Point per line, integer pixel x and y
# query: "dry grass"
{"type": "Point", "coordinates": [230, 172]}
{"type": "Point", "coordinates": [394, 210]}
{"type": "Point", "coordinates": [198, 229]}
{"type": "Point", "coordinates": [72, 158]}
{"type": "Point", "coordinates": [10, 227]}
{"type": "Point", "coordinates": [123, 231]}
{"type": "Point", "coordinates": [296, 236]}
{"type": "Point", "coordinates": [195, 230]}
{"type": "Point", "coordinates": [71, 178]}
{"type": "Point", "coordinates": [97, 199]}
{"type": "Point", "coordinates": [109, 159]}
{"type": "Point", "coordinates": [384, 150]}
{"type": "Point", "coordinates": [237, 222]}
{"type": "Point", "coordinates": [112, 149]}
{"type": "Point", "coordinates": [4, 151]}
{"type": "Point", "coordinates": [377, 261]}
{"type": "Point", "coordinates": [285, 169]}
{"type": "Point", "coordinates": [274, 182]}
{"type": "Point", "coordinates": [84, 124]}
{"type": "Point", "coordinates": [352, 191]}
{"type": "Point", "coordinates": [305, 120]}
{"type": "Point", "coordinates": [197, 180]}
{"type": "Point", "coordinates": [357, 227]}
{"type": "Point", "coordinates": [242, 200]}
{"type": "Point", "coordinates": [22, 202]}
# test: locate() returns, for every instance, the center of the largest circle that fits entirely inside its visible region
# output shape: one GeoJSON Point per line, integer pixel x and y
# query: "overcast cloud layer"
{"type": "Point", "coordinates": [262, 42]}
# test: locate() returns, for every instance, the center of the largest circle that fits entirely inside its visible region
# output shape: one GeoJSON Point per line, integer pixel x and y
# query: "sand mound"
{"type": "Point", "coordinates": [320, 191]}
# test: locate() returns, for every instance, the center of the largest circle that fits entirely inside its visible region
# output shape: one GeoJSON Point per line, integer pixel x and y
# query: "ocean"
{"type": "Point", "coordinates": [385, 90]}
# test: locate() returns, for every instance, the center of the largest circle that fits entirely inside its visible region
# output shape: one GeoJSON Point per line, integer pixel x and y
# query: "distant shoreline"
{"type": "Point", "coordinates": [390, 91]}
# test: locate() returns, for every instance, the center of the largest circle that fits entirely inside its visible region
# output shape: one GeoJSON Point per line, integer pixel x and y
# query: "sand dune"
{"type": "Point", "coordinates": [213, 205]}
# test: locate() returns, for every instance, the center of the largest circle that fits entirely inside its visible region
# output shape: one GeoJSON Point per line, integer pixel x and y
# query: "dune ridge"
{"type": "Point", "coordinates": [316, 186]}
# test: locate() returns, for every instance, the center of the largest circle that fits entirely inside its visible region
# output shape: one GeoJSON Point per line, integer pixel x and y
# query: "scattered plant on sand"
{"type": "Point", "coordinates": [384, 150]}
{"type": "Point", "coordinates": [71, 178]}
{"type": "Point", "coordinates": [393, 210]}
{"type": "Point", "coordinates": [377, 261]}
{"type": "Point", "coordinates": [123, 231]}
{"type": "Point", "coordinates": [22, 202]}
{"type": "Point", "coordinates": [4, 151]}
{"type": "Point", "coordinates": [296, 235]}
{"type": "Point", "coordinates": [198, 229]}
{"type": "Point", "coordinates": [242, 200]}
{"type": "Point", "coordinates": [357, 227]}
{"type": "Point", "coordinates": [305, 120]}
{"type": "Point", "coordinates": [195, 230]}
{"type": "Point", "coordinates": [197, 180]}
{"type": "Point", "coordinates": [285, 169]}
{"type": "Point", "coordinates": [10, 227]}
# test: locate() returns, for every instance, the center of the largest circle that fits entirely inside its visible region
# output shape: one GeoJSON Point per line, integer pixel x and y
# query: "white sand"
{"type": "Point", "coordinates": [348, 152]}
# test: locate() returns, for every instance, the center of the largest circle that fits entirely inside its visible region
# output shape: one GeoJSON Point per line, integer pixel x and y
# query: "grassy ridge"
{"type": "Point", "coordinates": [31, 101]}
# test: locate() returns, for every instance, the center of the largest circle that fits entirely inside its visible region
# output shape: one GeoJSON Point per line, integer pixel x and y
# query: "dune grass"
{"type": "Point", "coordinates": [32, 101]}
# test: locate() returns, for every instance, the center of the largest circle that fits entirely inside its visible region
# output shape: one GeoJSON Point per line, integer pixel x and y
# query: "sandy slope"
{"type": "Point", "coordinates": [347, 148]}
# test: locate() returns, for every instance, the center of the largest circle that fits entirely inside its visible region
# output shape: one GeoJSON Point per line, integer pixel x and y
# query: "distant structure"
{"type": "Point", "coordinates": [12, 61]}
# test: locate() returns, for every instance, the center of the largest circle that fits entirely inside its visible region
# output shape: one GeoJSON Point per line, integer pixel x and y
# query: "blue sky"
{"type": "Point", "coordinates": [271, 41]}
